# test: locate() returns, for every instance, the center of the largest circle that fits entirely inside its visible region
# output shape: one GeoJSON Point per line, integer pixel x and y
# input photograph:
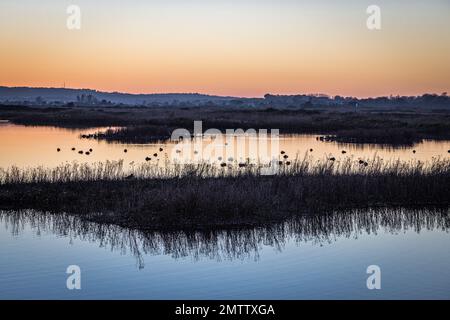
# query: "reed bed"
{"type": "Point", "coordinates": [204, 195]}
{"type": "Point", "coordinates": [306, 166]}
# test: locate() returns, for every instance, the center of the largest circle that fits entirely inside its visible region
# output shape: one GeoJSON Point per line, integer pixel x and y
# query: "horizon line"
{"type": "Point", "coordinates": [220, 96]}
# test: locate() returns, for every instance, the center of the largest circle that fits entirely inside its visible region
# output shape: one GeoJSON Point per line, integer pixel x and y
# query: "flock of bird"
{"type": "Point", "coordinates": [283, 154]}
{"type": "Point", "coordinates": [124, 150]}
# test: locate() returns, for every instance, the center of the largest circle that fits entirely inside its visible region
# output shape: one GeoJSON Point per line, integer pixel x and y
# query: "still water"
{"type": "Point", "coordinates": [34, 146]}
{"type": "Point", "coordinates": [320, 257]}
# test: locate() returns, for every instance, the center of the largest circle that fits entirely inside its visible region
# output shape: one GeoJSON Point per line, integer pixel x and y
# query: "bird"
{"type": "Point", "coordinates": [311, 150]}
{"type": "Point", "coordinates": [285, 156]}
{"type": "Point", "coordinates": [361, 161]}
{"type": "Point", "coordinates": [242, 165]}
{"type": "Point", "coordinates": [87, 153]}
{"type": "Point", "coordinates": [161, 149]}
{"type": "Point", "coordinates": [280, 162]}
{"type": "Point", "coordinates": [155, 155]}
{"type": "Point", "coordinates": [448, 151]}
{"type": "Point", "coordinates": [414, 151]}
{"type": "Point", "coordinates": [58, 149]}
{"type": "Point", "coordinates": [148, 159]}
{"type": "Point", "coordinates": [73, 149]}
{"type": "Point", "coordinates": [223, 164]}
{"type": "Point", "coordinates": [90, 150]}
{"type": "Point", "coordinates": [125, 150]}
{"type": "Point", "coordinates": [80, 152]}
{"type": "Point", "coordinates": [282, 152]}
{"type": "Point", "coordinates": [288, 163]}
{"type": "Point", "coordinates": [332, 159]}
{"type": "Point", "coordinates": [344, 152]}
{"type": "Point", "coordinates": [365, 164]}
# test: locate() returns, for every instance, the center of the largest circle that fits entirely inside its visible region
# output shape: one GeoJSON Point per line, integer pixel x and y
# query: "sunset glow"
{"type": "Point", "coordinates": [239, 48]}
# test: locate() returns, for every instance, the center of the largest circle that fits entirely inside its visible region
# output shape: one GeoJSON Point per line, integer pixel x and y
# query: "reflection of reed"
{"type": "Point", "coordinates": [230, 244]}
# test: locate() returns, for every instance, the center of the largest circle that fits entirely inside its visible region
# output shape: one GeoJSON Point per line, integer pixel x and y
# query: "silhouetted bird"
{"type": "Point", "coordinates": [161, 149]}
{"type": "Point", "coordinates": [73, 149]}
{"type": "Point", "coordinates": [242, 165]}
{"type": "Point", "coordinates": [288, 163]}
{"type": "Point", "coordinates": [87, 153]}
{"type": "Point", "coordinates": [280, 162]}
{"type": "Point", "coordinates": [344, 152]}
{"type": "Point", "coordinates": [58, 149]}
{"type": "Point", "coordinates": [80, 152]}
{"type": "Point", "coordinates": [361, 161]}
{"type": "Point", "coordinates": [125, 150]}
{"type": "Point", "coordinates": [90, 150]}
{"type": "Point", "coordinates": [155, 155]}
{"type": "Point", "coordinates": [285, 156]}
{"type": "Point", "coordinates": [414, 151]}
{"type": "Point", "coordinates": [332, 159]}
{"type": "Point", "coordinates": [365, 164]}
{"type": "Point", "coordinates": [311, 150]}
{"type": "Point", "coordinates": [148, 159]}
{"type": "Point", "coordinates": [282, 152]}
{"type": "Point", "coordinates": [223, 164]}
{"type": "Point", "coordinates": [448, 151]}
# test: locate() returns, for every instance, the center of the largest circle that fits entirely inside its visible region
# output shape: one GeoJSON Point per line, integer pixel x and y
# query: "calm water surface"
{"type": "Point", "coordinates": [309, 258]}
{"type": "Point", "coordinates": [32, 146]}
{"type": "Point", "coordinates": [321, 257]}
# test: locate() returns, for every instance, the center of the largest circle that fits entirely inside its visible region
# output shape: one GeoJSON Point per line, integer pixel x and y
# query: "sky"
{"type": "Point", "coordinates": [236, 47]}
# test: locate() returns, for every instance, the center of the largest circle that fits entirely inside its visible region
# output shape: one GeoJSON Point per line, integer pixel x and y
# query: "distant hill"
{"type": "Point", "coordinates": [88, 97]}
{"type": "Point", "coordinates": [62, 95]}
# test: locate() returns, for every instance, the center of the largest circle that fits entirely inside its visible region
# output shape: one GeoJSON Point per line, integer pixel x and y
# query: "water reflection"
{"type": "Point", "coordinates": [24, 146]}
{"type": "Point", "coordinates": [235, 244]}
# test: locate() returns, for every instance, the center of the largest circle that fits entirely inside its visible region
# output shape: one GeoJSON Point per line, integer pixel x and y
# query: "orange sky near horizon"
{"type": "Point", "coordinates": [244, 48]}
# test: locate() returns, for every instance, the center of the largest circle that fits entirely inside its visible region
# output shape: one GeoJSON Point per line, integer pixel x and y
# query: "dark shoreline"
{"type": "Point", "coordinates": [149, 124]}
{"type": "Point", "coordinates": [191, 200]}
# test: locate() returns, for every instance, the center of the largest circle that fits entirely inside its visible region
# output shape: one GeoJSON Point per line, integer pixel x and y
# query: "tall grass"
{"type": "Point", "coordinates": [205, 195]}
{"type": "Point", "coordinates": [306, 166]}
